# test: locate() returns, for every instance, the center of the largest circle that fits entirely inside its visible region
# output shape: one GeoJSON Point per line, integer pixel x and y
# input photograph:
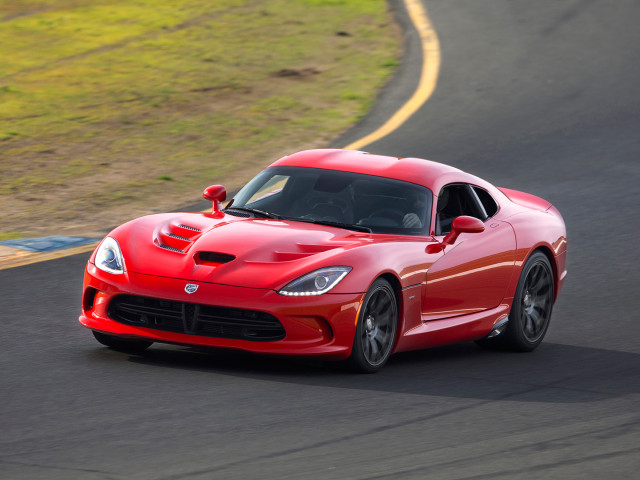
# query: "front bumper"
{"type": "Point", "coordinates": [322, 325]}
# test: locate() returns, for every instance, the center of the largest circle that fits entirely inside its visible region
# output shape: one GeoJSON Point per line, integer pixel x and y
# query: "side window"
{"type": "Point", "coordinates": [455, 200]}
{"type": "Point", "coordinates": [489, 204]}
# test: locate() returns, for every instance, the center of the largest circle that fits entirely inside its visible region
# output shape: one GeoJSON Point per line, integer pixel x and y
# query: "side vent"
{"type": "Point", "coordinates": [213, 258]}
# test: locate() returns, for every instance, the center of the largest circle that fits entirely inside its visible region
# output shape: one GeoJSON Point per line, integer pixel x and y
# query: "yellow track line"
{"type": "Point", "coordinates": [27, 258]}
{"type": "Point", "coordinates": [426, 86]}
{"type": "Point", "coordinates": [428, 78]}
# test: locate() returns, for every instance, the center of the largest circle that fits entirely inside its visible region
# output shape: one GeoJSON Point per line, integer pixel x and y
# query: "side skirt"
{"type": "Point", "coordinates": [461, 328]}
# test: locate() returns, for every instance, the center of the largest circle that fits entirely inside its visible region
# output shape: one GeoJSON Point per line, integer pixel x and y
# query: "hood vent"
{"type": "Point", "coordinates": [177, 237]}
{"type": "Point", "coordinates": [213, 258]}
{"type": "Point", "coordinates": [189, 227]}
{"type": "Point", "coordinates": [173, 235]}
{"type": "Point", "coordinates": [167, 247]}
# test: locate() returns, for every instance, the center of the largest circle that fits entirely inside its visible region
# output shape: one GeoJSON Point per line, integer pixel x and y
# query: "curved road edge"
{"type": "Point", "coordinates": [17, 253]}
{"type": "Point", "coordinates": [430, 49]}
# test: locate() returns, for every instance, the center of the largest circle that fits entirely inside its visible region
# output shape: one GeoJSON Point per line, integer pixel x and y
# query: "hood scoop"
{"type": "Point", "coordinates": [298, 252]}
{"type": "Point", "coordinates": [289, 256]}
{"type": "Point", "coordinates": [177, 237]}
{"type": "Point", "coordinates": [213, 258]}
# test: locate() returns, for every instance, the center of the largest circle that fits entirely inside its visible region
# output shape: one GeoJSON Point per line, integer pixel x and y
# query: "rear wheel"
{"type": "Point", "coordinates": [122, 344]}
{"type": "Point", "coordinates": [376, 328]}
{"type": "Point", "coordinates": [531, 310]}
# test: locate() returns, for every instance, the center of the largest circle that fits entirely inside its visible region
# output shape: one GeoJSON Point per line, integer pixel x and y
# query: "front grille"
{"type": "Point", "coordinates": [195, 319]}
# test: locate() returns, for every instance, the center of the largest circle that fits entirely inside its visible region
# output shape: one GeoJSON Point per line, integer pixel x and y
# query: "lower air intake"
{"type": "Point", "coordinates": [195, 319]}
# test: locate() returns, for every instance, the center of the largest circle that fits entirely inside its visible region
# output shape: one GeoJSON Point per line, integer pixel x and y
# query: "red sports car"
{"type": "Point", "coordinates": [336, 254]}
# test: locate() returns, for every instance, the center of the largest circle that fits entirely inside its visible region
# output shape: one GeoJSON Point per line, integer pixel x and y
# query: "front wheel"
{"type": "Point", "coordinates": [121, 344]}
{"type": "Point", "coordinates": [376, 328]}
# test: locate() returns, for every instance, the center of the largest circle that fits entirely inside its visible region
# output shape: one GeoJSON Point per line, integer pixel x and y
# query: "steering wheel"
{"type": "Point", "coordinates": [389, 213]}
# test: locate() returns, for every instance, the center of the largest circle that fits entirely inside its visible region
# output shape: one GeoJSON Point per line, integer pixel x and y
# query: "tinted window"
{"type": "Point", "coordinates": [310, 194]}
{"type": "Point", "coordinates": [455, 200]}
{"type": "Point", "coordinates": [489, 204]}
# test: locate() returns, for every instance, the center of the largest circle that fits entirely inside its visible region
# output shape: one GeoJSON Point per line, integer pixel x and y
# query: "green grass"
{"type": "Point", "coordinates": [10, 235]}
{"type": "Point", "coordinates": [113, 107]}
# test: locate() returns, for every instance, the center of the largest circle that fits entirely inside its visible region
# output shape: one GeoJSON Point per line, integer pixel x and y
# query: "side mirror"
{"type": "Point", "coordinates": [463, 224]}
{"type": "Point", "coordinates": [215, 194]}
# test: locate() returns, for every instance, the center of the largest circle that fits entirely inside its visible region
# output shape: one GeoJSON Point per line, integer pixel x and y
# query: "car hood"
{"type": "Point", "coordinates": [247, 252]}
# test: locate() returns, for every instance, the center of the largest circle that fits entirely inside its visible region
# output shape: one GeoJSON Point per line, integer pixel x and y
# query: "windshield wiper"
{"type": "Point", "coordinates": [255, 211]}
{"type": "Point", "coordinates": [348, 226]}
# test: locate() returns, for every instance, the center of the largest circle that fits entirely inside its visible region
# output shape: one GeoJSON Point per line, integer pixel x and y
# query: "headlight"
{"type": "Point", "coordinates": [108, 257]}
{"type": "Point", "coordinates": [315, 283]}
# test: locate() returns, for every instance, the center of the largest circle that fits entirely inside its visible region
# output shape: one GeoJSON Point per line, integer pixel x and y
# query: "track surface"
{"type": "Point", "coordinates": [540, 96]}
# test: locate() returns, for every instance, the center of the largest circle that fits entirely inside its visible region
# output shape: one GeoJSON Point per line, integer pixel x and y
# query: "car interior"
{"type": "Point", "coordinates": [381, 204]}
{"type": "Point", "coordinates": [456, 200]}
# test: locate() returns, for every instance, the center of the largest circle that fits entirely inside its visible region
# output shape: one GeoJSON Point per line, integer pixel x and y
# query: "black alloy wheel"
{"type": "Point", "coordinates": [531, 310]}
{"type": "Point", "coordinates": [376, 330]}
{"type": "Point", "coordinates": [122, 344]}
{"type": "Point", "coordinates": [536, 301]}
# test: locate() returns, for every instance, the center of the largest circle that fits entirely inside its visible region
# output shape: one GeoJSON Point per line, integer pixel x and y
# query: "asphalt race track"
{"type": "Point", "coordinates": [539, 96]}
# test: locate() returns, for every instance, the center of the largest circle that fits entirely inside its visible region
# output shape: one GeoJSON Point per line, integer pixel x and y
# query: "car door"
{"type": "Point", "coordinates": [474, 272]}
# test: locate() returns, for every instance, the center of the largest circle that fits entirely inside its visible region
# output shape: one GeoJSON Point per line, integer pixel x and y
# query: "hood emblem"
{"type": "Point", "coordinates": [191, 287]}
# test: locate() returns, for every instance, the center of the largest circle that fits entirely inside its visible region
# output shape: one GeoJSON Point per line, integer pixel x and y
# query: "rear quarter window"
{"type": "Point", "coordinates": [489, 204]}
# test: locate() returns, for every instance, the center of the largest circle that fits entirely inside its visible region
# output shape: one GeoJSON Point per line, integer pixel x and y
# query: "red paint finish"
{"type": "Point", "coordinates": [215, 194]}
{"type": "Point", "coordinates": [473, 275]}
{"type": "Point", "coordinates": [449, 288]}
{"type": "Point", "coordinates": [463, 224]}
{"type": "Point", "coordinates": [306, 319]}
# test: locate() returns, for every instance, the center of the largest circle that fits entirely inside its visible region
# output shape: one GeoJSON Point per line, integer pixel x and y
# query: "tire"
{"type": "Point", "coordinates": [531, 310]}
{"type": "Point", "coordinates": [376, 329]}
{"type": "Point", "coordinates": [122, 344]}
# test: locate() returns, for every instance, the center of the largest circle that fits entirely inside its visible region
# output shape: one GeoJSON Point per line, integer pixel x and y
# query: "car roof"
{"type": "Point", "coordinates": [415, 170]}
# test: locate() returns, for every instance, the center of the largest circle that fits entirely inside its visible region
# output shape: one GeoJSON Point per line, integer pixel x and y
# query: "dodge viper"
{"type": "Point", "coordinates": [336, 254]}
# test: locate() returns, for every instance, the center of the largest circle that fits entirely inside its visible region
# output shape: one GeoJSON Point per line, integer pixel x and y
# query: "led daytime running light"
{"type": "Point", "coordinates": [315, 283]}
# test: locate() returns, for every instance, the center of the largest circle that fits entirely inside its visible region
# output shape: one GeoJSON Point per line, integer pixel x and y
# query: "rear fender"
{"type": "Point", "coordinates": [528, 227]}
{"type": "Point", "coordinates": [526, 199]}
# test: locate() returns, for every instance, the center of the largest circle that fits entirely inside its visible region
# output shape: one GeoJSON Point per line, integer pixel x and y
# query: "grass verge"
{"type": "Point", "coordinates": [110, 109]}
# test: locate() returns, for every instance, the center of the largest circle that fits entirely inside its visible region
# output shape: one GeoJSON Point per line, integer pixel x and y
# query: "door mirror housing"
{"type": "Point", "coordinates": [215, 194]}
{"type": "Point", "coordinates": [463, 224]}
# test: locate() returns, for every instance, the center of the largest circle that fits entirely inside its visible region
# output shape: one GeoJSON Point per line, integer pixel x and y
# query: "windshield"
{"type": "Point", "coordinates": [367, 202]}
